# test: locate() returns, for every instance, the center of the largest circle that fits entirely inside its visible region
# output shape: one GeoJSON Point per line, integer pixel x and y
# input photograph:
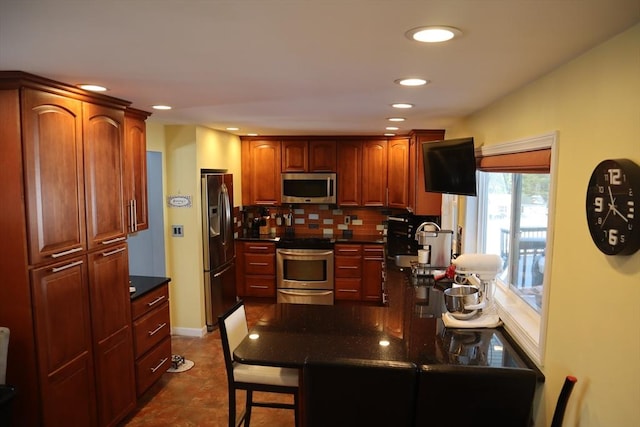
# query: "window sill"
{"type": "Point", "coordinates": [521, 321]}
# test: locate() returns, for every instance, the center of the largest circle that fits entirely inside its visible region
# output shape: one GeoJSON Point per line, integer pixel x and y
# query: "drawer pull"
{"type": "Point", "coordinates": [348, 290]}
{"type": "Point", "coordinates": [260, 248]}
{"type": "Point", "coordinates": [155, 301]}
{"type": "Point", "coordinates": [347, 250]}
{"type": "Point", "coordinates": [117, 239]}
{"type": "Point", "coordinates": [258, 287]}
{"type": "Point", "coordinates": [162, 362]}
{"type": "Point", "coordinates": [258, 263]}
{"type": "Point", "coordinates": [64, 267]}
{"type": "Point", "coordinates": [70, 251]}
{"type": "Point", "coordinates": [113, 252]}
{"type": "Point", "coordinates": [348, 267]}
{"type": "Point", "coordinates": [156, 330]}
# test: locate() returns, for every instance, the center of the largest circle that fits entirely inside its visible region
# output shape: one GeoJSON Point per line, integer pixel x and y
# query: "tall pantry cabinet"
{"type": "Point", "coordinates": [65, 290]}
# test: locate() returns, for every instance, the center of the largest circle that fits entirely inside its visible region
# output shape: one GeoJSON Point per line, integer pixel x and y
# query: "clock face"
{"type": "Point", "coordinates": [613, 197]}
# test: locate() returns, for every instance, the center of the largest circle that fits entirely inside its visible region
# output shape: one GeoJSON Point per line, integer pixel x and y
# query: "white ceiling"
{"type": "Point", "coordinates": [302, 66]}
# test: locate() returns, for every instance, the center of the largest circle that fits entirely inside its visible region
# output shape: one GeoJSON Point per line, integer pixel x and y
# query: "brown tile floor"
{"type": "Point", "coordinates": [198, 397]}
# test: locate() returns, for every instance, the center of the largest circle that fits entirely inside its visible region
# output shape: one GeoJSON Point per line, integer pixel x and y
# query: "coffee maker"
{"type": "Point", "coordinates": [436, 248]}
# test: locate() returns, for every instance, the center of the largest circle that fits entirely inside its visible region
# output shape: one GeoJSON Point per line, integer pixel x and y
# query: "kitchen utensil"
{"type": "Point", "coordinates": [463, 302]}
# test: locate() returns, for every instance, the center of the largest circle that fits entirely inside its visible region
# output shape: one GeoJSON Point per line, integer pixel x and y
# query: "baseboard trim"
{"type": "Point", "coordinates": [189, 332]}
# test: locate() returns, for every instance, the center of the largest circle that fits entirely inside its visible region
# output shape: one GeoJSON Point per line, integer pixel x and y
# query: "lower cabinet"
{"type": "Point", "coordinates": [256, 269]}
{"type": "Point", "coordinates": [152, 336]}
{"type": "Point", "coordinates": [358, 272]}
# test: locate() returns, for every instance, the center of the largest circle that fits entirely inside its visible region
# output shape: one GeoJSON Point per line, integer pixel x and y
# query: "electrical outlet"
{"type": "Point", "coordinates": [347, 220]}
{"type": "Point", "coordinates": [177, 231]}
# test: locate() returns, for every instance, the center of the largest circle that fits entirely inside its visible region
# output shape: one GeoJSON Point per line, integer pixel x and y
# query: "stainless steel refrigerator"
{"type": "Point", "coordinates": [217, 238]}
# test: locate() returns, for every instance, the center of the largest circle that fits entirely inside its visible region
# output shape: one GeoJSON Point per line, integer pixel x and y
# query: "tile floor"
{"type": "Point", "coordinates": [198, 397]}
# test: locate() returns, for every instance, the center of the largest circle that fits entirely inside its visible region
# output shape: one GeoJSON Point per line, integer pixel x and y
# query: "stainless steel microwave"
{"type": "Point", "coordinates": [309, 188]}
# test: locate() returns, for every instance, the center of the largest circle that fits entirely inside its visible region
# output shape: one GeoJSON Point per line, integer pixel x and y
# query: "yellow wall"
{"type": "Point", "coordinates": [186, 150]}
{"type": "Point", "coordinates": [594, 315]}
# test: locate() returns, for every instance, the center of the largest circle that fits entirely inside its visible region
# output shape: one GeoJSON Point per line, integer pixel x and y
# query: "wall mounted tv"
{"type": "Point", "coordinates": [450, 166]}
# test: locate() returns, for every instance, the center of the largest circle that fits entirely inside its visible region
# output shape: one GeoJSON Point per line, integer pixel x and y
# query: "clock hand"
{"type": "Point", "coordinates": [606, 216]}
{"type": "Point", "coordinates": [616, 211]}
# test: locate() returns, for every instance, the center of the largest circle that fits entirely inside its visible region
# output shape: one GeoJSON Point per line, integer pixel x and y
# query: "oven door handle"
{"type": "Point", "coordinates": [305, 293]}
{"type": "Point", "coordinates": [306, 254]}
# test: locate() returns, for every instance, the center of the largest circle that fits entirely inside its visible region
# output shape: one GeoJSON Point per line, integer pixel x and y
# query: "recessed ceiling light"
{"type": "Point", "coordinates": [161, 107]}
{"type": "Point", "coordinates": [433, 34]}
{"type": "Point", "coordinates": [252, 134]}
{"type": "Point", "coordinates": [233, 129]}
{"type": "Point", "coordinates": [411, 81]}
{"type": "Point", "coordinates": [93, 88]}
{"type": "Point", "coordinates": [402, 105]}
{"type": "Point", "coordinates": [389, 134]}
{"type": "Point", "coordinates": [392, 128]}
{"type": "Point", "coordinates": [396, 119]}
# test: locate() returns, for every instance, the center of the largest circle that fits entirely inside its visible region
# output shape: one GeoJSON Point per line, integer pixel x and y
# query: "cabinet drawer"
{"type": "Point", "coordinates": [348, 267]}
{"type": "Point", "coordinates": [347, 250]}
{"type": "Point", "coordinates": [149, 301]}
{"type": "Point", "coordinates": [260, 248]}
{"type": "Point", "coordinates": [373, 252]}
{"type": "Point", "coordinates": [151, 328]}
{"type": "Point", "coordinates": [260, 264]}
{"type": "Point", "coordinates": [151, 367]}
{"type": "Point", "coordinates": [256, 286]}
{"type": "Point", "coordinates": [348, 289]}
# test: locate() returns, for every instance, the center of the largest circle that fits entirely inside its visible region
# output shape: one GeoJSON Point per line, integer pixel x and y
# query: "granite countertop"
{"type": "Point", "coordinates": [145, 284]}
{"type": "Point", "coordinates": [367, 239]}
{"type": "Point", "coordinates": [411, 324]}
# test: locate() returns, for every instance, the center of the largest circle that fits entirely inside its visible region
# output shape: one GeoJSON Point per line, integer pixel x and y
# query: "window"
{"type": "Point", "coordinates": [514, 220]}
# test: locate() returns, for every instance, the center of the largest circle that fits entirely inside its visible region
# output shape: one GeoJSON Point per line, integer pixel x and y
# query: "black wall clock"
{"type": "Point", "coordinates": [613, 197]}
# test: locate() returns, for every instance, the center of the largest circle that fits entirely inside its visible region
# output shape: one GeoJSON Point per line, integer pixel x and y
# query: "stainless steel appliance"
{"type": "Point", "coordinates": [309, 188]}
{"type": "Point", "coordinates": [401, 231]}
{"type": "Point", "coordinates": [304, 271]}
{"type": "Point", "coordinates": [217, 238]}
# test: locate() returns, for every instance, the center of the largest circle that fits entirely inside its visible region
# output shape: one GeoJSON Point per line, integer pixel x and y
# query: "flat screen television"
{"type": "Point", "coordinates": [450, 166]}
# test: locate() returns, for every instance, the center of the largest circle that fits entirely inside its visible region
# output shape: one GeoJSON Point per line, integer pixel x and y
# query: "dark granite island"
{"type": "Point", "coordinates": [409, 329]}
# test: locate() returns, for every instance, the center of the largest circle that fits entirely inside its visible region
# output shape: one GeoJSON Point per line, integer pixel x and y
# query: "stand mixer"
{"type": "Point", "coordinates": [471, 301]}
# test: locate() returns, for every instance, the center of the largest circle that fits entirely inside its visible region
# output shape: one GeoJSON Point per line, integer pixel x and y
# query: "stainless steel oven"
{"type": "Point", "coordinates": [304, 275]}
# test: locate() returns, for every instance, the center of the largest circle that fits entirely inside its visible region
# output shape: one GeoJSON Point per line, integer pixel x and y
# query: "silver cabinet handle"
{"type": "Point", "coordinates": [155, 301]}
{"type": "Point", "coordinates": [64, 267]}
{"type": "Point", "coordinates": [348, 290]}
{"type": "Point", "coordinates": [156, 330]}
{"type": "Point", "coordinates": [70, 251]}
{"type": "Point", "coordinates": [258, 263]}
{"type": "Point", "coordinates": [162, 362]}
{"type": "Point", "coordinates": [135, 214]}
{"type": "Point", "coordinates": [348, 267]}
{"type": "Point", "coordinates": [259, 286]}
{"type": "Point", "coordinates": [261, 248]}
{"type": "Point", "coordinates": [115, 251]}
{"type": "Point", "coordinates": [117, 239]}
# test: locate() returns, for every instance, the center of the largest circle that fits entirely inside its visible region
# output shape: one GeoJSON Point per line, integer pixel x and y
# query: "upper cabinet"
{"type": "Point", "coordinates": [135, 170]}
{"type": "Point", "coordinates": [398, 173]}
{"type": "Point", "coordinates": [308, 156]}
{"type": "Point", "coordinates": [374, 173]}
{"type": "Point", "coordinates": [421, 202]}
{"type": "Point", "coordinates": [261, 181]}
{"type": "Point", "coordinates": [349, 173]}
{"type": "Point", "coordinates": [54, 175]}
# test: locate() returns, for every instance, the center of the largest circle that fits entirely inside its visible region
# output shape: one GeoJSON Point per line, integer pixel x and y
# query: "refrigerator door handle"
{"type": "Point", "coordinates": [205, 224]}
{"type": "Point", "coordinates": [220, 273]}
{"type": "Point", "coordinates": [225, 214]}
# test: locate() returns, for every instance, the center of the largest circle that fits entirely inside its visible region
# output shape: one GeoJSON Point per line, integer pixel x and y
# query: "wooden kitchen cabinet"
{"type": "Point", "coordinates": [261, 180]}
{"type": "Point", "coordinates": [308, 156]}
{"type": "Point", "coordinates": [398, 173]}
{"type": "Point", "coordinates": [421, 202]}
{"type": "Point", "coordinates": [348, 271]}
{"type": "Point", "coordinates": [66, 303]}
{"type": "Point", "coordinates": [372, 272]}
{"type": "Point", "coordinates": [256, 272]}
{"type": "Point", "coordinates": [112, 336]}
{"type": "Point", "coordinates": [151, 336]}
{"type": "Point", "coordinates": [135, 170]}
{"type": "Point", "coordinates": [103, 146]}
{"type": "Point", "coordinates": [374, 173]}
{"type": "Point", "coordinates": [53, 174]}
{"type": "Point", "coordinates": [62, 327]}
{"type": "Point", "coordinates": [349, 173]}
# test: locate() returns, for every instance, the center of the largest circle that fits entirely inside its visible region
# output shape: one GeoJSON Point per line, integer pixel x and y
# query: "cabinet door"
{"type": "Point", "coordinates": [421, 202]}
{"type": "Point", "coordinates": [322, 156]}
{"type": "Point", "coordinates": [112, 336]}
{"type": "Point", "coordinates": [264, 181]}
{"type": "Point", "coordinates": [398, 173]}
{"type": "Point", "coordinates": [103, 132]}
{"type": "Point", "coordinates": [135, 172]}
{"type": "Point", "coordinates": [372, 265]}
{"type": "Point", "coordinates": [295, 156]}
{"type": "Point", "coordinates": [54, 177]}
{"type": "Point", "coordinates": [374, 173]}
{"type": "Point", "coordinates": [63, 339]}
{"type": "Point", "coordinates": [349, 173]}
